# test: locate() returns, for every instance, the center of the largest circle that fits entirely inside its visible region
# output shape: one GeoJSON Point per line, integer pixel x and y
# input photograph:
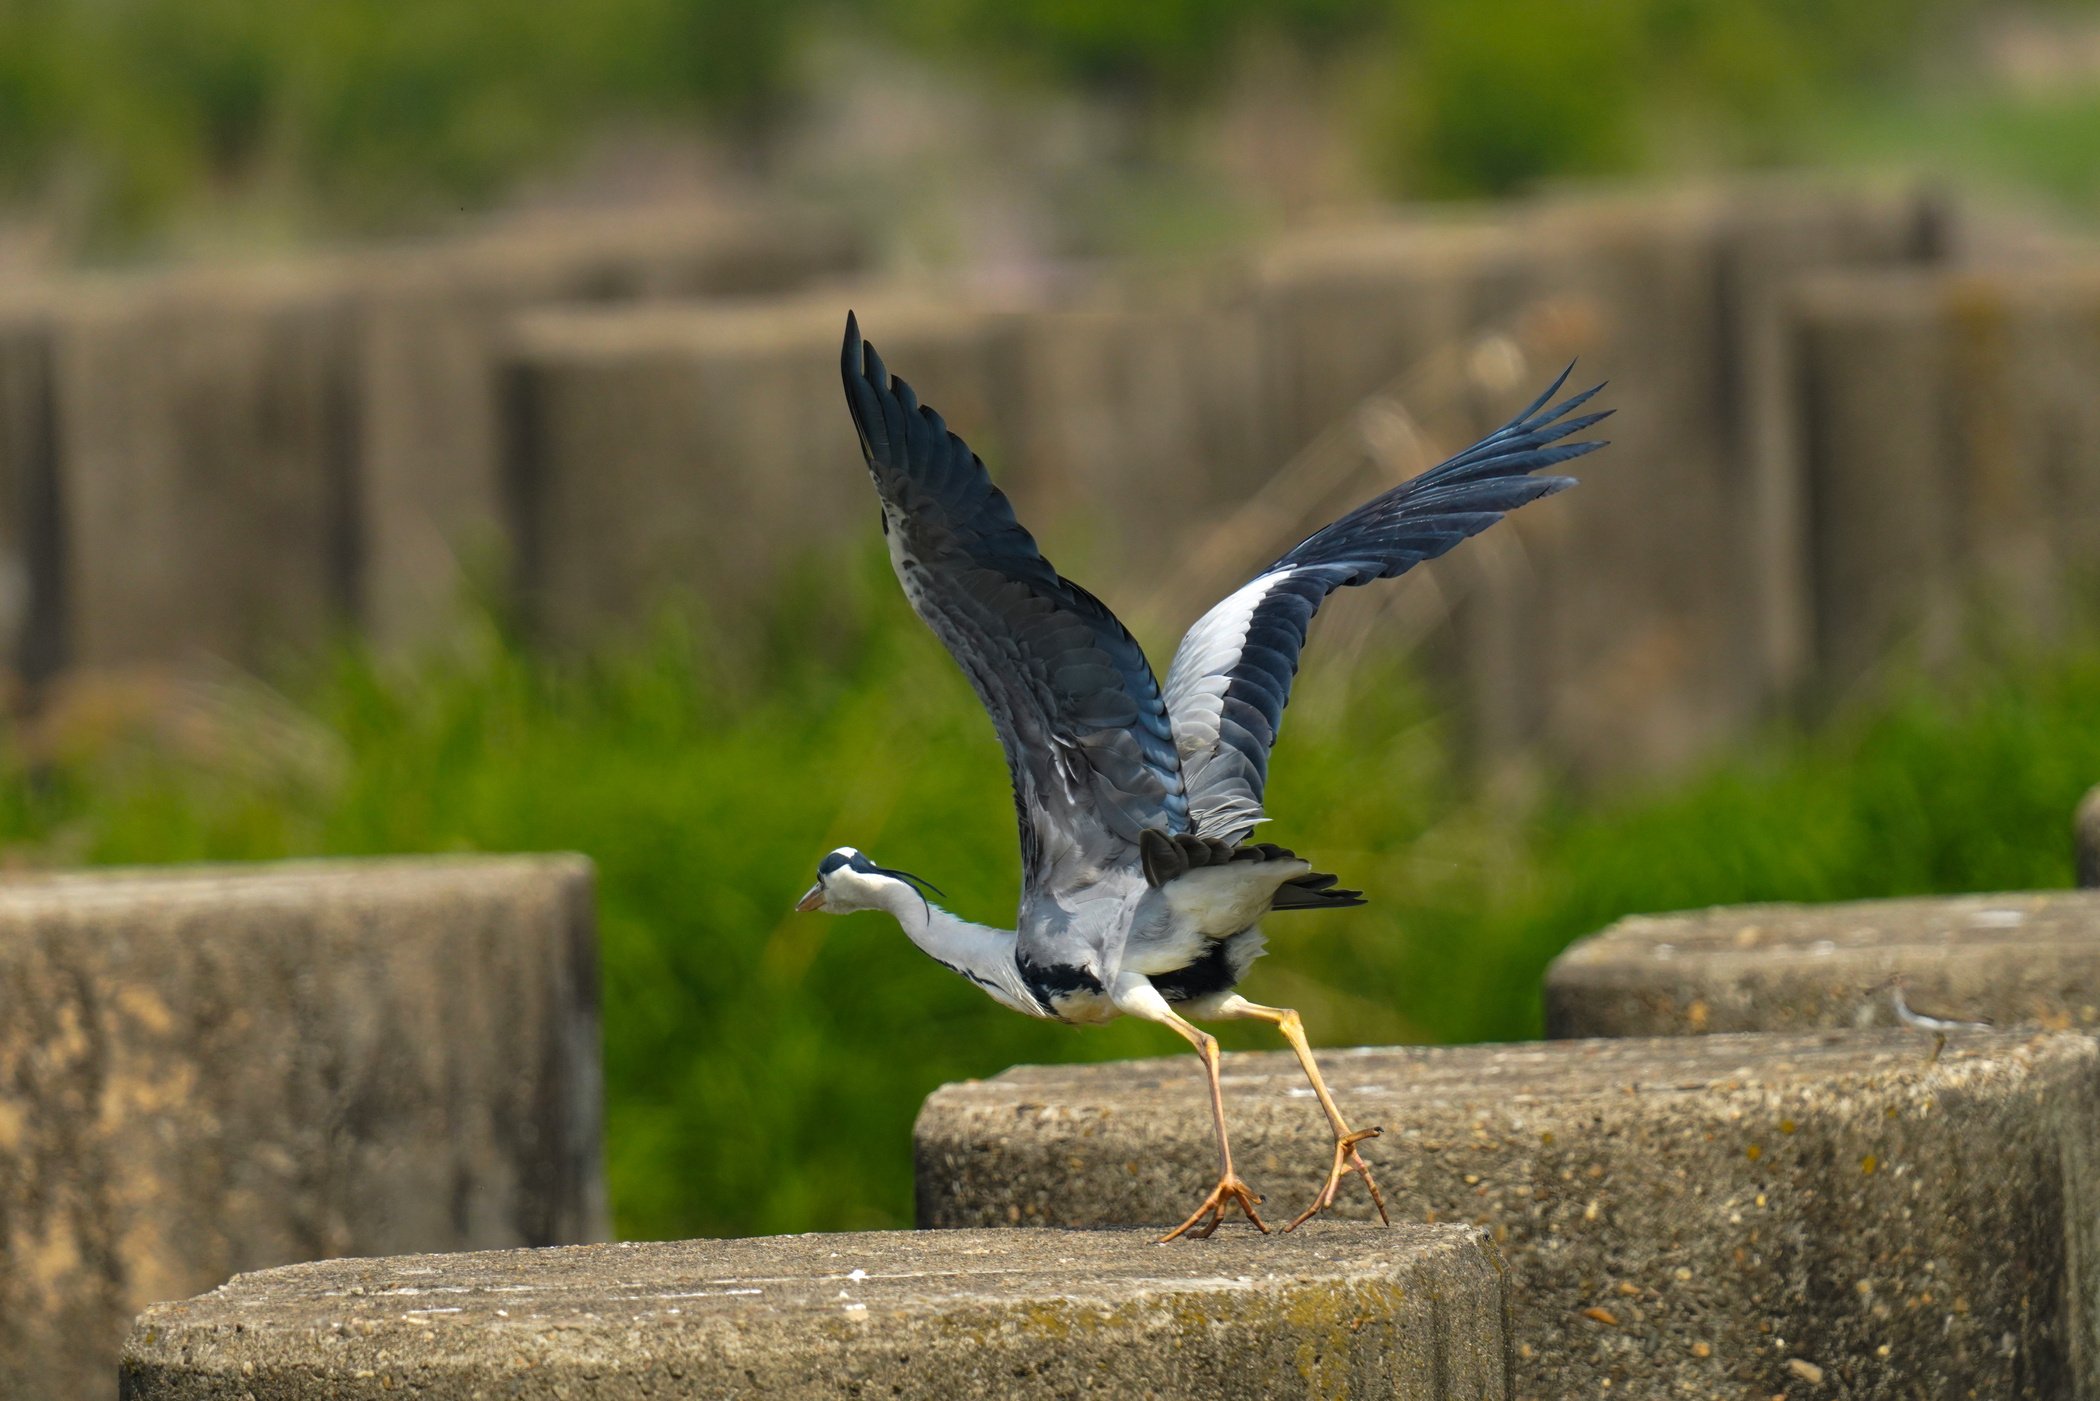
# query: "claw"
{"type": "Point", "coordinates": [1229, 1190]}
{"type": "Point", "coordinates": [1346, 1161]}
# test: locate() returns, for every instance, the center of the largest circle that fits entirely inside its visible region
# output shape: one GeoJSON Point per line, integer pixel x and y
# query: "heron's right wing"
{"type": "Point", "coordinates": [1231, 676]}
{"type": "Point", "coordinates": [1070, 693]}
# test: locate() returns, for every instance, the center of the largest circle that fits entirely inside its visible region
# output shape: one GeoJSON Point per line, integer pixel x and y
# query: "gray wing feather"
{"type": "Point", "coordinates": [1232, 674]}
{"type": "Point", "coordinates": [1075, 703]}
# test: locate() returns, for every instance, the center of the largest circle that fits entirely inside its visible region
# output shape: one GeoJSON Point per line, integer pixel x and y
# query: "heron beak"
{"type": "Point", "coordinates": [813, 898]}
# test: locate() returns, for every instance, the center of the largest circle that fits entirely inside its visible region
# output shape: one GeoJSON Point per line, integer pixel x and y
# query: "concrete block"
{"type": "Point", "coordinates": [1658, 598]}
{"type": "Point", "coordinates": [2022, 353]}
{"type": "Point", "coordinates": [689, 453]}
{"type": "Point", "coordinates": [429, 328]}
{"type": "Point", "coordinates": [1348, 312]}
{"type": "Point", "coordinates": [1387, 348]}
{"type": "Point", "coordinates": [1698, 1216]}
{"type": "Point", "coordinates": [1135, 429]}
{"type": "Point", "coordinates": [212, 1069]}
{"type": "Point", "coordinates": [2087, 839]}
{"type": "Point", "coordinates": [1636, 624]}
{"type": "Point", "coordinates": [206, 461]}
{"type": "Point", "coordinates": [2028, 346]}
{"type": "Point", "coordinates": [246, 461]}
{"type": "Point", "coordinates": [2030, 958]}
{"type": "Point", "coordinates": [1884, 534]}
{"type": "Point", "coordinates": [1632, 591]}
{"type": "Point", "coordinates": [1952, 446]}
{"type": "Point", "coordinates": [1773, 234]}
{"type": "Point", "coordinates": [1344, 1310]}
{"type": "Point", "coordinates": [30, 622]}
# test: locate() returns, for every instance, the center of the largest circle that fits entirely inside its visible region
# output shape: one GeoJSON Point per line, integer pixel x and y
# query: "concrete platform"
{"type": "Point", "coordinates": [218, 1068]}
{"type": "Point", "coordinates": [1344, 1310]}
{"type": "Point", "coordinates": [2025, 958]}
{"type": "Point", "coordinates": [1702, 1216]}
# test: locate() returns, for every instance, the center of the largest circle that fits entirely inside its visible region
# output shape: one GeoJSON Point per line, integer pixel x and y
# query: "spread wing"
{"type": "Point", "coordinates": [1075, 703]}
{"type": "Point", "coordinates": [1231, 676]}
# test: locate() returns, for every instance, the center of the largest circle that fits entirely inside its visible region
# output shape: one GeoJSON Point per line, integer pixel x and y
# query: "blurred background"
{"type": "Point", "coordinates": [419, 432]}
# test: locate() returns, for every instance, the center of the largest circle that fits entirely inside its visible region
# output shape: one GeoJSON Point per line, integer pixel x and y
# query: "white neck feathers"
{"type": "Point", "coordinates": [976, 951]}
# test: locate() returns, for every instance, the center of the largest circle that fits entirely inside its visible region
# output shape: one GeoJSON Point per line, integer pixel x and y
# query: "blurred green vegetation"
{"type": "Point", "coordinates": [346, 114]}
{"type": "Point", "coordinates": [370, 111]}
{"type": "Point", "coordinates": [763, 1067]}
{"type": "Point", "coordinates": [2034, 144]}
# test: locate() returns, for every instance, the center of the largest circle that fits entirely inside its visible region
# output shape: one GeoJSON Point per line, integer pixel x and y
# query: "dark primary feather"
{"type": "Point", "coordinates": [1075, 703]}
{"type": "Point", "coordinates": [1231, 677]}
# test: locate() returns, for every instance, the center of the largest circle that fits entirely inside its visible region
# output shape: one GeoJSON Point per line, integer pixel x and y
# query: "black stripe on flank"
{"type": "Point", "coordinates": [1048, 983]}
{"type": "Point", "coordinates": [1212, 973]}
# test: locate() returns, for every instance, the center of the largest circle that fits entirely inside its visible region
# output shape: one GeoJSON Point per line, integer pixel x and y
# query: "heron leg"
{"type": "Point", "coordinates": [1137, 997]}
{"type": "Point", "coordinates": [1346, 1158]}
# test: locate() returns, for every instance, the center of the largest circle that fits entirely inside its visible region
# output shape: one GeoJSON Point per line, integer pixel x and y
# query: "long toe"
{"type": "Point", "coordinates": [1229, 1190]}
{"type": "Point", "coordinates": [1346, 1160]}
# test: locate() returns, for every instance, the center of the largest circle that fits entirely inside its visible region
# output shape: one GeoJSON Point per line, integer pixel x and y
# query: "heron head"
{"type": "Point", "coordinates": [847, 881]}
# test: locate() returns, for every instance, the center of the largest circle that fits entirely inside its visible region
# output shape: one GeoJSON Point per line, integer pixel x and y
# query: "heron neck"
{"type": "Point", "coordinates": [978, 952]}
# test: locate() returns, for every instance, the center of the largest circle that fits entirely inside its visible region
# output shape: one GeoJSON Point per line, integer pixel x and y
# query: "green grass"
{"type": "Point", "coordinates": [763, 1068]}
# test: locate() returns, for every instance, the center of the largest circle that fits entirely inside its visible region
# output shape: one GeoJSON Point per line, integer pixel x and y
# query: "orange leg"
{"type": "Point", "coordinates": [1346, 1158]}
{"type": "Point", "coordinates": [1136, 996]}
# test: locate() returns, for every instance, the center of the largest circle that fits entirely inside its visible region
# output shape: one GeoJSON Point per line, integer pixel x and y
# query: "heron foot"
{"type": "Point", "coordinates": [1346, 1161]}
{"type": "Point", "coordinates": [1228, 1191]}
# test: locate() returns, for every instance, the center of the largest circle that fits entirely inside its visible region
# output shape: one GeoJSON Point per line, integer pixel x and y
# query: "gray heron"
{"type": "Point", "coordinates": [1141, 890]}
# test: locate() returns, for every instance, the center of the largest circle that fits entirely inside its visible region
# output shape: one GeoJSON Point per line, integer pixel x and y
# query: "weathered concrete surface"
{"type": "Point", "coordinates": [2087, 837]}
{"type": "Point", "coordinates": [212, 1069]}
{"type": "Point", "coordinates": [1774, 234]}
{"type": "Point", "coordinates": [1350, 312]}
{"type": "Point", "coordinates": [1662, 609]}
{"type": "Point", "coordinates": [688, 452]}
{"type": "Point", "coordinates": [238, 461]}
{"type": "Point", "coordinates": [429, 333]}
{"type": "Point", "coordinates": [1341, 1310]}
{"type": "Point", "coordinates": [2028, 958]}
{"type": "Point", "coordinates": [1954, 446]}
{"type": "Point", "coordinates": [1135, 426]}
{"type": "Point", "coordinates": [1887, 535]}
{"type": "Point", "coordinates": [28, 500]}
{"type": "Point", "coordinates": [205, 462]}
{"type": "Point", "coordinates": [1625, 606]}
{"type": "Point", "coordinates": [1705, 1216]}
{"type": "Point", "coordinates": [1646, 616]}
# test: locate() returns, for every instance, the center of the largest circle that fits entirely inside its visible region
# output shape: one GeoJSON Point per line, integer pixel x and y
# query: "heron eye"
{"type": "Point", "coordinates": [830, 863]}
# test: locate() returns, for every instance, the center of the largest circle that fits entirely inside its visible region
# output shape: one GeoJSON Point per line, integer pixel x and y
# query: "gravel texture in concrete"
{"type": "Point", "coordinates": [1694, 1216]}
{"type": "Point", "coordinates": [2031, 958]}
{"type": "Point", "coordinates": [212, 1069]}
{"type": "Point", "coordinates": [1339, 1310]}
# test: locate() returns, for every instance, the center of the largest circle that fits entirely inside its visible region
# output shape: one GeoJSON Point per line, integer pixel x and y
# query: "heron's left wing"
{"type": "Point", "coordinates": [1075, 703]}
{"type": "Point", "coordinates": [1231, 676]}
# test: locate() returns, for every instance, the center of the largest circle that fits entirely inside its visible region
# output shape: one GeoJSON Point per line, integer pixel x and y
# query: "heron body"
{"type": "Point", "coordinates": [1142, 893]}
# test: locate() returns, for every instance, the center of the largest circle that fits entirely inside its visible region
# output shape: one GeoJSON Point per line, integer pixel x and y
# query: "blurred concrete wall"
{"type": "Point", "coordinates": [244, 462]}
{"type": "Point", "coordinates": [1841, 425]}
{"type": "Point", "coordinates": [1165, 441]}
